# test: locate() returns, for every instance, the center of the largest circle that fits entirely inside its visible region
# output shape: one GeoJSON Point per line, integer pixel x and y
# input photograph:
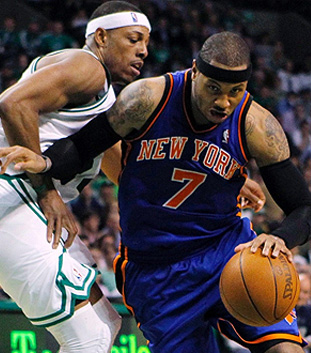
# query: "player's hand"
{"type": "Point", "coordinates": [58, 216]}
{"type": "Point", "coordinates": [23, 158]}
{"type": "Point", "coordinates": [252, 195]}
{"type": "Point", "coordinates": [267, 242]}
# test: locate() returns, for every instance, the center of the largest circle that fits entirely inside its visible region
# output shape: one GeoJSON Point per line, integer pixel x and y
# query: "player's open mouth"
{"type": "Point", "coordinates": [137, 67]}
{"type": "Point", "coordinates": [217, 114]}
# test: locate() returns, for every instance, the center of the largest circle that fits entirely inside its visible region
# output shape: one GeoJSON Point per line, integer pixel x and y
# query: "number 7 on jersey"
{"type": "Point", "coordinates": [195, 179]}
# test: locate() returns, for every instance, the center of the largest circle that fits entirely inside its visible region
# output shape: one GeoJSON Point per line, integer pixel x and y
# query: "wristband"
{"type": "Point", "coordinates": [40, 189]}
{"type": "Point", "coordinates": [48, 164]}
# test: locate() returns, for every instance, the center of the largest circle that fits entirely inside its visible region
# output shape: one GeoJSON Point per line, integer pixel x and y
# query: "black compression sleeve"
{"type": "Point", "coordinates": [74, 154]}
{"type": "Point", "coordinates": [296, 227]}
{"type": "Point", "coordinates": [290, 191]}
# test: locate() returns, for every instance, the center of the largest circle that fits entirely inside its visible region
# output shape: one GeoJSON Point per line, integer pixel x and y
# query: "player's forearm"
{"type": "Point", "coordinates": [288, 188]}
{"type": "Point", "coordinates": [295, 230]}
{"type": "Point", "coordinates": [20, 125]}
{"type": "Point", "coordinates": [74, 154]}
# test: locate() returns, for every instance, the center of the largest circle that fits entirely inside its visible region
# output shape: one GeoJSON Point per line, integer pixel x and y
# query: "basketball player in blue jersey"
{"type": "Point", "coordinates": [57, 95]}
{"type": "Point", "coordinates": [187, 137]}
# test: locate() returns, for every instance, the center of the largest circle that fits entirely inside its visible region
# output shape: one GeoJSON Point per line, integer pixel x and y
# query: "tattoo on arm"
{"type": "Point", "coordinates": [132, 109]}
{"type": "Point", "coordinates": [249, 125]}
{"type": "Point", "coordinates": [276, 139]}
{"type": "Point", "coordinates": [266, 139]}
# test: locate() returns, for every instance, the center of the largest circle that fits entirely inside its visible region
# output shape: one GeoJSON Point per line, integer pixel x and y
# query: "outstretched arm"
{"type": "Point", "coordinates": [71, 155]}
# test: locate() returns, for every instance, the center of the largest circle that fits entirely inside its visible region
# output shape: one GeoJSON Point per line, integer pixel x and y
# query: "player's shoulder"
{"type": "Point", "coordinates": [258, 110]}
{"type": "Point", "coordinates": [150, 84]}
{"type": "Point", "coordinates": [257, 117]}
{"type": "Point", "coordinates": [135, 104]}
{"type": "Point", "coordinates": [145, 92]}
{"type": "Point", "coordinates": [78, 65]}
{"type": "Point", "coordinates": [76, 53]}
{"type": "Point", "coordinates": [70, 57]}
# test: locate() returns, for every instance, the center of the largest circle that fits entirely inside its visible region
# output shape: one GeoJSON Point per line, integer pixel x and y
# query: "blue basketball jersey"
{"type": "Point", "coordinates": [181, 221]}
{"type": "Point", "coordinates": [180, 184]}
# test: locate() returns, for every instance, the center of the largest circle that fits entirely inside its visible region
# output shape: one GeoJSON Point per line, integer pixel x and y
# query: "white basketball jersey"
{"type": "Point", "coordinates": [64, 122]}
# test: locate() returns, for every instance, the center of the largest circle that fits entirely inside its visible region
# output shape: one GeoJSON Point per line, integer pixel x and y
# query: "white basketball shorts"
{"type": "Point", "coordinates": [44, 282]}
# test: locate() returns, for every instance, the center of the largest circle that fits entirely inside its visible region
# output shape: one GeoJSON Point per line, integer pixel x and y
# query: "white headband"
{"type": "Point", "coordinates": [117, 20]}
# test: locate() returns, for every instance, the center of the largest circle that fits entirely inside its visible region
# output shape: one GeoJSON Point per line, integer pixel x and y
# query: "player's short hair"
{"type": "Point", "coordinates": [111, 7]}
{"type": "Point", "coordinates": [226, 48]}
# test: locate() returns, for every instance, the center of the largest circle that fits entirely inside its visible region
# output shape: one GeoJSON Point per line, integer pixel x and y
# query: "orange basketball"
{"type": "Point", "coordinates": [259, 290]}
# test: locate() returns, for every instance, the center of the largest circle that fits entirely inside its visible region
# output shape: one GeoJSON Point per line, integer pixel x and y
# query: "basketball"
{"type": "Point", "coordinates": [259, 290]}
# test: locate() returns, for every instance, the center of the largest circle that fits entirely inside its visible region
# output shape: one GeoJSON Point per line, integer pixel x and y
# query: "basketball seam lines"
{"type": "Point", "coordinates": [247, 291]}
{"type": "Point", "coordinates": [276, 289]}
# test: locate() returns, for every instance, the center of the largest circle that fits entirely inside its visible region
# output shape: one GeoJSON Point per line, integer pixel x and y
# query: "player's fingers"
{"type": "Point", "coordinates": [288, 254]}
{"type": "Point", "coordinates": [244, 202]}
{"type": "Point", "coordinates": [280, 246]}
{"type": "Point", "coordinates": [6, 162]}
{"type": "Point", "coordinates": [277, 244]}
{"type": "Point", "coordinates": [243, 246]}
{"type": "Point", "coordinates": [50, 229]}
{"type": "Point", "coordinates": [267, 247]}
{"type": "Point", "coordinates": [258, 205]}
{"type": "Point", "coordinates": [277, 250]}
{"type": "Point", "coordinates": [72, 232]}
{"type": "Point", "coordinates": [4, 151]}
{"type": "Point", "coordinates": [23, 166]}
{"type": "Point", "coordinates": [16, 155]}
{"type": "Point", "coordinates": [2, 169]}
{"type": "Point", "coordinates": [257, 243]}
{"type": "Point", "coordinates": [57, 233]}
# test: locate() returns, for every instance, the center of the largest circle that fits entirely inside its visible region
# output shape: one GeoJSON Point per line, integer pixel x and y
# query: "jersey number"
{"type": "Point", "coordinates": [194, 179]}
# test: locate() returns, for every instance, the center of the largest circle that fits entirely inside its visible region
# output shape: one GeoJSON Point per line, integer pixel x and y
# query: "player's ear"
{"type": "Point", "coordinates": [194, 72]}
{"type": "Point", "coordinates": [101, 37]}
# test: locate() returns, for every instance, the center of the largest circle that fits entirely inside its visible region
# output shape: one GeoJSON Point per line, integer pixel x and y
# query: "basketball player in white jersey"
{"type": "Point", "coordinates": [57, 95]}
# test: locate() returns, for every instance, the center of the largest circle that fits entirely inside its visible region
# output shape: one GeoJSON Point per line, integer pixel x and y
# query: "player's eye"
{"type": "Point", "coordinates": [213, 88]}
{"type": "Point", "coordinates": [236, 90]}
{"type": "Point", "coordinates": [133, 41]}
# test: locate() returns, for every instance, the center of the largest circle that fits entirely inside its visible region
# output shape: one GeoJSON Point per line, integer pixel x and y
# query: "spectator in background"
{"type": "Point", "coordinates": [302, 135]}
{"type": "Point", "coordinates": [286, 75]}
{"type": "Point", "coordinates": [7, 75]}
{"type": "Point", "coordinates": [9, 39]}
{"type": "Point", "coordinates": [286, 111]}
{"type": "Point", "coordinates": [21, 65]}
{"type": "Point", "coordinates": [85, 203]}
{"type": "Point", "coordinates": [107, 195]}
{"type": "Point", "coordinates": [30, 39]}
{"type": "Point", "coordinates": [104, 257]}
{"type": "Point", "coordinates": [78, 25]}
{"type": "Point", "coordinates": [113, 223]}
{"type": "Point", "coordinates": [278, 58]}
{"type": "Point", "coordinates": [98, 255]}
{"type": "Point", "coordinates": [305, 99]}
{"type": "Point", "coordinates": [90, 226]}
{"type": "Point", "coordinates": [100, 262]}
{"type": "Point", "coordinates": [57, 39]}
{"type": "Point", "coordinates": [300, 261]}
{"type": "Point", "coordinates": [264, 48]}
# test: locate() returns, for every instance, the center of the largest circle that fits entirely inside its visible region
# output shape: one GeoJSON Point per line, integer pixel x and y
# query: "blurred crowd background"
{"type": "Point", "coordinates": [278, 36]}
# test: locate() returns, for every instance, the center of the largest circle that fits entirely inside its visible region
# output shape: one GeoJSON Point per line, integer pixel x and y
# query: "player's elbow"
{"type": "Point", "coordinates": [8, 105]}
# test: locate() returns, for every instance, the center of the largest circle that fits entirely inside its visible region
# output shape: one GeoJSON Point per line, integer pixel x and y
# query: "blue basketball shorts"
{"type": "Point", "coordinates": [178, 305]}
